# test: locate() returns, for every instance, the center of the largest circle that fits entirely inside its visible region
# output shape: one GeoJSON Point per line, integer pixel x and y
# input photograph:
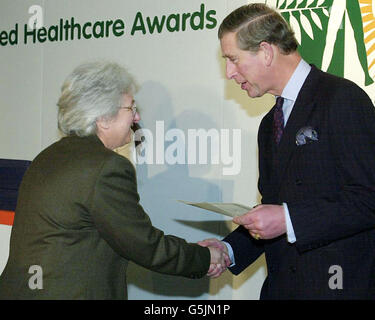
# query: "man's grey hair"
{"type": "Point", "coordinates": [256, 23]}
{"type": "Point", "coordinates": [91, 92]}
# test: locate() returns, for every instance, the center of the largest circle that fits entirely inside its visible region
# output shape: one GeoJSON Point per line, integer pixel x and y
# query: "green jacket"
{"type": "Point", "coordinates": [78, 219]}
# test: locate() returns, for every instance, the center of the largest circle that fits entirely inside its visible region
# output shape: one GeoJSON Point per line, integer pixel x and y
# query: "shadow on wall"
{"type": "Point", "coordinates": [159, 194]}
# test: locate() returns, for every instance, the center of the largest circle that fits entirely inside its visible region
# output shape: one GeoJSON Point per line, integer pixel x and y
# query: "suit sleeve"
{"type": "Point", "coordinates": [122, 222]}
{"type": "Point", "coordinates": [245, 248]}
{"type": "Point", "coordinates": [351, 208]}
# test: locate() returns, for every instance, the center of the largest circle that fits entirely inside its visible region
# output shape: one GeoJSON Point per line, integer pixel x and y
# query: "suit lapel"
{"type": "Point", "coordinates": [299, 117]}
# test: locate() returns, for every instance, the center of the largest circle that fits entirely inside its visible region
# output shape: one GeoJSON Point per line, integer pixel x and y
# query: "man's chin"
{"type": "Point", "coordinates": [250, 91]}
{"type": "Point", "coordinates": [252, 94]}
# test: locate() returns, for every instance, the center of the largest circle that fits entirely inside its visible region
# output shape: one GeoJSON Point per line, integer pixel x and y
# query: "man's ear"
{"type": "Point", "coordinates": [268, 52]}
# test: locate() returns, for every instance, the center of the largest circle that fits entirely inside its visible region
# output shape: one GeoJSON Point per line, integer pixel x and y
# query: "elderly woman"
{"type": "Point", "coordinates": [78, 220]}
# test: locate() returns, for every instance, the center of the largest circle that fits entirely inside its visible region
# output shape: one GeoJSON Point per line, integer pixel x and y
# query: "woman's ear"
{"type": "Point", "coordinates": [268, 52]}
{"type": "Point", "coordinates": [102, 124]}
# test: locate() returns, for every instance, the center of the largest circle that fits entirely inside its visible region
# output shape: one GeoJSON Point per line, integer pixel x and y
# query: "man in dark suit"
{"type": "Point", "coordinates": [316, 168]}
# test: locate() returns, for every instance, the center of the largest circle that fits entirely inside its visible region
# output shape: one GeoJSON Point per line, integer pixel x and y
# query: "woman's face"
{"type": "Point", "coordinates": [116, 132]}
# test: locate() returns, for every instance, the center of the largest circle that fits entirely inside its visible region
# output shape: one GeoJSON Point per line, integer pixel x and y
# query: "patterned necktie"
{"type": "Point", "coordinates": [278, 120]}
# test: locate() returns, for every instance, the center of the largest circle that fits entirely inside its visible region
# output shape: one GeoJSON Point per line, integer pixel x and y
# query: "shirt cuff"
{"type": "Point", "coordinates": [230, 253]}
{"type": "Point", "coordinates": [289, 227]}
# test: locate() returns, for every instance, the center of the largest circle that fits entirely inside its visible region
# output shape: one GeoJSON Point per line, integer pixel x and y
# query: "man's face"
{"type": "Point", "coordinates": [245, 67]}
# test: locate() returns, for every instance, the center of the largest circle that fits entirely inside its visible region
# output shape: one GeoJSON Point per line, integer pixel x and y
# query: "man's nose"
{"type": "Point", "coordinates": [231, 70]}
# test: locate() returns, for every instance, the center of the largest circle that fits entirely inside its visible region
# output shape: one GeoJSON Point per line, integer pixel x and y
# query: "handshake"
{"type": "Point", "coordinates": [219, 256]}
{"type": "Point", "coordinates": [262, 222]}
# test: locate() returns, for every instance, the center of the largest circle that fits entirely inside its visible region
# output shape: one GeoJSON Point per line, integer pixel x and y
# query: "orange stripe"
{"type": "Point", "coordinates": [366, 9]}
{"type": "Point", "coordinates": [370, 37]}
{"type": "Point", "coordinates": [6, 217]}
{"type": "Point", "coordinates": [369, 27]}
{"type": "Point", "coordinates": [370, 50]}
{"type": "Point", "coordinates": [367, 18]}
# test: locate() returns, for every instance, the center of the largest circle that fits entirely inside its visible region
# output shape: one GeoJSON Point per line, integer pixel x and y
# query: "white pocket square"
{"type": "Point", "coordinates": [306, 135]}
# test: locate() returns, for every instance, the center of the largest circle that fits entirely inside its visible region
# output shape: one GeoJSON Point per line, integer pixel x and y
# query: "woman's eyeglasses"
{"type": "Point", "coordinates": [132, 108]}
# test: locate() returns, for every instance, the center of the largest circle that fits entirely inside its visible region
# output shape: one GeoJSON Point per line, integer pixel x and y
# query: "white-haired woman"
{"type": "Point", "coordinates": [78, 220]}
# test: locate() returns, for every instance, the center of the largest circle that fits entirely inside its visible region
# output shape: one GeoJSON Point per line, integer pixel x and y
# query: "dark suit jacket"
{"type": "Point", "coordinates": [329, 187]}
{"type": "Point", "coordinates": [78, 217]}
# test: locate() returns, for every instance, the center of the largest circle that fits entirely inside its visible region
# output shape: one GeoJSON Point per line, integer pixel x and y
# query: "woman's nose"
{"type": "Point", "coordinates": [137, 117]}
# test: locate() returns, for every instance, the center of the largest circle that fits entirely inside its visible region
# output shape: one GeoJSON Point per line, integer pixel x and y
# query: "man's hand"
{"type": "Point", "coordinates": [264, 221]}
{"type": "Point", "coordinates": [219, 257]}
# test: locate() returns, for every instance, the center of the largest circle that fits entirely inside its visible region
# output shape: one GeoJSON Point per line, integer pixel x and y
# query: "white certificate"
{"type": "Point", "coordinates": [228, 209]}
